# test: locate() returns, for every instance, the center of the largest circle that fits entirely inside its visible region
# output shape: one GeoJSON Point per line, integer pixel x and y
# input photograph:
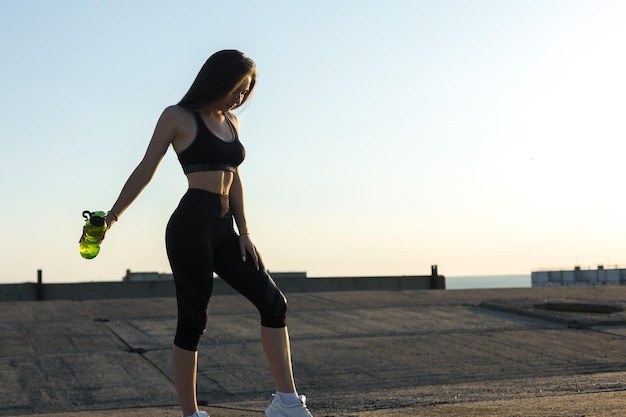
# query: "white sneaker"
{"type": "Point", "coordinates": [278, 409]}
{"type": "Point", "coordinates": [200, 414]}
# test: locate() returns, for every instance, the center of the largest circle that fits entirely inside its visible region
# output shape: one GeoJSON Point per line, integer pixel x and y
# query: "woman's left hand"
{"type": "Point", "coordinates": [246, 246]}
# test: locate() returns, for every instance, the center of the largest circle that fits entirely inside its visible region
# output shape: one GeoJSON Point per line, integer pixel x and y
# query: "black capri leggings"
{"type": "Point", "coordinates": [200, 240]}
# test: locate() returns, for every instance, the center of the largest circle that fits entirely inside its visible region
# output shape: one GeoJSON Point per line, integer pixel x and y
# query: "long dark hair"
{"type": "Point", "coordinates": [219, 75]}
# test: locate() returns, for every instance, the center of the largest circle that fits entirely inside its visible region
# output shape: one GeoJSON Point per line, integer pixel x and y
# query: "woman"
{"type": "Point", "coordinates": [200, 236]}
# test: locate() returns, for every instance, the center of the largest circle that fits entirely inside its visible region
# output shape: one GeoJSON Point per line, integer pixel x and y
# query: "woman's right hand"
{"type": "Point", "coordinates": [109, 220]}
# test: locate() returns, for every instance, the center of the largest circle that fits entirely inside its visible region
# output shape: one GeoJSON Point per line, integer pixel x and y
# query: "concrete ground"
{"type": "Point", "coordinates": [505, 352]}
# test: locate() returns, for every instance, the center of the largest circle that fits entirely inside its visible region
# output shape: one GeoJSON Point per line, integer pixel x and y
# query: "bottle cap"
{"type": "Point", "coordinates": [96, 218]}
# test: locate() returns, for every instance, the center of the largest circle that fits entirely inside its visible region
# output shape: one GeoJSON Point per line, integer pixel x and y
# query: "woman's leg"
{"type": "Point", "coordinates": [184, 365]}
{"type": "Point", "coordinates": [190, 254]}
{"type": "Point", "coordinates": [193, 301]}
{"type": "Point", "coordinates": [260, 289]}
{"type": "Point", "coordinates": [278, 352]}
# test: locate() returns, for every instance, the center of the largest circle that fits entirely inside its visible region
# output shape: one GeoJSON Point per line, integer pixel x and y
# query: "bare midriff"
{"type": "Point", "coordinates": [217, 182]}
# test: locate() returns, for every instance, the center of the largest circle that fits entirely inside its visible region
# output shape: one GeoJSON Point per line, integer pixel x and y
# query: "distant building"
{"type": "Point", "coordinates": [579, 277]}
{"type": "Point", "coordinates": [146, 276]}
{"type": "Point", "coordinates": [159, 276]}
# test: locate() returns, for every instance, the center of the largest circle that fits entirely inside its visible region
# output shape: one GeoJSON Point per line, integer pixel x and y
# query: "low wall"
{"type": "Point", "coordinates": [146, 289]}
{"type": "Point", "coordinates": [18, 292]}
{"type": "Point", "coordinates": [579, 277]}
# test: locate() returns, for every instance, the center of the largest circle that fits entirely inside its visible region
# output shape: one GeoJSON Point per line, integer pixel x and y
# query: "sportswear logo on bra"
{"type": "Point", "coordinates": [208, 166]}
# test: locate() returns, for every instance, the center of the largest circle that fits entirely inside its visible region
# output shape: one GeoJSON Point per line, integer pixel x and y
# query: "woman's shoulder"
{"type": "Point", "coordinates": [176, 116]}
{"type": "Point", "coordinates": [176, 111]}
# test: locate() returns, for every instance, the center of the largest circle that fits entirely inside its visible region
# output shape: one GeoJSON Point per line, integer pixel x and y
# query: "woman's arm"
{"type": "Point", "coordinates": [164, 134]}
{"type": "Point", "coordinates": [239, 214]}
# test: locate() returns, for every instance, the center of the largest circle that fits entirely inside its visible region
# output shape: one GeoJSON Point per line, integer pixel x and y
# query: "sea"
{"type": "Point", "coordinates": [488, 281]}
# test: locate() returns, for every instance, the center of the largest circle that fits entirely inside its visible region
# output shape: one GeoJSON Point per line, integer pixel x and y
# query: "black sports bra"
{"type": "Point", "coordinates": [207, 152]}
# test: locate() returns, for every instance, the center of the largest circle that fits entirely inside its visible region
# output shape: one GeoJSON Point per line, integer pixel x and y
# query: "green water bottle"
{"type": "Point", "coordinates": [95, 226]}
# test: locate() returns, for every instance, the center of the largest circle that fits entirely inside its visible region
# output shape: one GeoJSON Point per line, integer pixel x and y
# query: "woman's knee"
{"type": "Point", "coordinates": [193, 314]}
{"type": "Point", "coordinates": [188, 334]}
{"type": "Point", "coordinates": [274, 314]}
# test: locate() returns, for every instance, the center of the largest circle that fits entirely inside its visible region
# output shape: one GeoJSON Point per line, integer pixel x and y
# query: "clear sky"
{"type": "Point", "coordinates": [487, 137]}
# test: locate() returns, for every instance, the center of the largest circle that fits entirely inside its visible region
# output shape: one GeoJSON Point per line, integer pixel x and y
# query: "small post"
{"type": "Point", "coordinates": [436, 282]}
{"type": "Point", "coordinates": [39, 287]}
